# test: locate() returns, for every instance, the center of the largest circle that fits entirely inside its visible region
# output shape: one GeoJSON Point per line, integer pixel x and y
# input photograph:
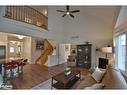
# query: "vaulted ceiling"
{"type": "Point", "coordinates": [104, 14]}
{"type": "Point", "coordinates": [93, 23]}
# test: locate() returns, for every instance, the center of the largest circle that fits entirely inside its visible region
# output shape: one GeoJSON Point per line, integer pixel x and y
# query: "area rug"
{"type": "Point", "coordinates": [46, 85]}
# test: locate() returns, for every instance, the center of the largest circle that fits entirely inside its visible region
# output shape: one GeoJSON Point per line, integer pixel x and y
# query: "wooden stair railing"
{"type": "Point", "coordinates": [28, 15]}
{"type": "Point", "coordinates": [44, 56]}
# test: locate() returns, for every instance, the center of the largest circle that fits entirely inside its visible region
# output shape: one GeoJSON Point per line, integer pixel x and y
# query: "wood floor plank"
{"type": "Point", "coordinates": [35, 74]}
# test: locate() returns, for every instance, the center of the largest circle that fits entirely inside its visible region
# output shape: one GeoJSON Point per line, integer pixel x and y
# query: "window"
{"type": "Point", "coordinates": [11, 49]}
{"type": "Point", "coordinates": [121, 52]}
{"type": "Point", "coordinates": [19, 48]}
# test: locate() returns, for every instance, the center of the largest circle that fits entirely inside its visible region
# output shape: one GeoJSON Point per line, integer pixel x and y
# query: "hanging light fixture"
{"type": "Point", "coordinates": [20, 36]}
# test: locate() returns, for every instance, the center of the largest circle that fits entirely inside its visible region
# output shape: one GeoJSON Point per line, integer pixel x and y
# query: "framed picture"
{"type": "Point", "coordinates": [66, 48]}
{"type": "Point", "coordinates": [40, 44]}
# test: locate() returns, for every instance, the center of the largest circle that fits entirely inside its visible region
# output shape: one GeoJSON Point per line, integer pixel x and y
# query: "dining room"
{"type": "Point", "coordinates": [14, 54]}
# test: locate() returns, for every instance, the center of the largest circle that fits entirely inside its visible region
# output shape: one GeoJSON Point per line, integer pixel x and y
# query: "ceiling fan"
{"type": "Point", "coordinates": [68, 12]}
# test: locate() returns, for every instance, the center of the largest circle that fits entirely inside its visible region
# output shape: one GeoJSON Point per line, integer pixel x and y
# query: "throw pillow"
{"type": "Point", "coordinates": [124, 74]}
{"type": "Point", "coordinates": [96, 86]}
{"type": "Point", "coordinates": [98, 74]}
{"type": "Point", "coordinates": [91, 70]}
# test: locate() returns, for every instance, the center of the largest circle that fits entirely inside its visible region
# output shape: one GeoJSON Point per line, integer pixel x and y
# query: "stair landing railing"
{"type": "Point", "coordinates": [27, 14]}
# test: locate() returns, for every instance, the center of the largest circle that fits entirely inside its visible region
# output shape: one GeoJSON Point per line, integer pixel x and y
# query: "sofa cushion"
{"type": "Point", "coordinates": [96, 86]}
{"type": "Point", "coordinates": [1, 80]}
{"type": "Point", "coordinates": [91, 70]}
{"type": "Point", "coordinates": [124, 73]}
{"type": "Point", "coordinates": [87, 81]}
{"type": "Point", "coordinates": [98, 74]}
{"type": "Point", "coordinates": [113, 79]}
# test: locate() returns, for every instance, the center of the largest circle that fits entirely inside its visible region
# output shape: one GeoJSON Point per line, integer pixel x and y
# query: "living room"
{"type": "Point", "coordinates": [96, 25]}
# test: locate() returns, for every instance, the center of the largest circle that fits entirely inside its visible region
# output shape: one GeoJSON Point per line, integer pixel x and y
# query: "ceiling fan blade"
{"type": "Point", "coordinates": [67, 8]}
{"type": "Point", "coordinates": [72, 15]}
{"type": "Point", "coordinates": [60, 11]}
{"type": "Point", "coordinates": [64, 15]}
{"type": "Point", "coordinates": [75, 11]}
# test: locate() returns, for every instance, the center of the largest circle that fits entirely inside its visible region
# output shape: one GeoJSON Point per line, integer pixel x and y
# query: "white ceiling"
{"type": "Point", "coordinates": [93, 23]}
{"type": "Point", "coordinates": [105, 14]}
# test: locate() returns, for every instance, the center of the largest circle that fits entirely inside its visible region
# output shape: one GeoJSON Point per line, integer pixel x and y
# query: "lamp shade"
{"type": "Point", "coordinates": [106, 49]}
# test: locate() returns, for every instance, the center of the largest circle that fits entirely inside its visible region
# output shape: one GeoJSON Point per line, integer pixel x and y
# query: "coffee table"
{"type": "Point", "coordinates": [65, 81]}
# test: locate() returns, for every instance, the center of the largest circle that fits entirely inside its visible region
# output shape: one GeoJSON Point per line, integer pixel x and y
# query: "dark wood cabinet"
{"type": "Point", "coordinates": [84, 56]}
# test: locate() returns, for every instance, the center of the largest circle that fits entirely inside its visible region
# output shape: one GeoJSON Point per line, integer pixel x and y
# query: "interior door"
{"type": "Point", "coordinates": [2, 56]}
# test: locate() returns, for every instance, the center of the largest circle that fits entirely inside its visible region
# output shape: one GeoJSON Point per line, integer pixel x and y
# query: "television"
{"type": "Point", "coordinates": [40, 44]}
{"type": "Point", "coordinates": [102, 63]}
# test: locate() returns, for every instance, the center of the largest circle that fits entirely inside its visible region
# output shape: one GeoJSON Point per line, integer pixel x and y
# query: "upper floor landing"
{"type": "Point", "coordinates": [34, 15]}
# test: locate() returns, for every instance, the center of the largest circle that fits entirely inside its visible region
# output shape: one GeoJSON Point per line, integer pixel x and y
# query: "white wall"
{"type": "Point", "coordinates": [120, 27]}
{"type": "Point", "coordinates": [63, 53]}
{"type": "Point", "coordinates": [122, 16]}
{"type": "Point", "coordinates": [35, 54]}
{"type": "Point", "coordinates": [85, 27]}
{"type": "Point", "coordinates": [4, 41]}
{"type": "Point", "coordinates": [52, 60]}
{"type": "Point", "coordinates": [27, 48]}
{"type": "Point", "coordinates": [55, 24]}
{"type": "Point", "coordinates": [55, 27]}
{"type": "Point", "coordinates": [61, 57]}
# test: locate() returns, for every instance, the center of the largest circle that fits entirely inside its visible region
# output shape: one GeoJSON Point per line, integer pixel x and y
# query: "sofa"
{"type": "Point", "coordinates": [112, 79]}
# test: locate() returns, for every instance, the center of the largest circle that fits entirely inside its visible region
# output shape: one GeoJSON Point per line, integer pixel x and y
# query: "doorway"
{"type": "Point", "coordinates": [2, 56]}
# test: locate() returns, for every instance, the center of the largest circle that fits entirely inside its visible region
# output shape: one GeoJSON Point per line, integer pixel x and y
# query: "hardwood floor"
{"type": "Point", "coordinates": [35, 74]}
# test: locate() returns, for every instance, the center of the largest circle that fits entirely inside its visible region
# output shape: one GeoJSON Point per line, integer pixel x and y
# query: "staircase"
{"type": "Point", "coordinates": [46, 52]}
